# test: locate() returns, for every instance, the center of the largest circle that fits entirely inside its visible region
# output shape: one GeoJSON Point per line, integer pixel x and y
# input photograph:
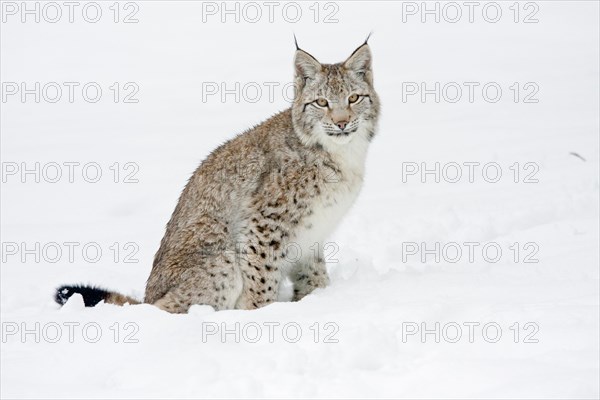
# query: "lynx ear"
{"type": "Point", "coordinates": [306, 65]}
{"type": "Point", "coordinates": [360, 61]}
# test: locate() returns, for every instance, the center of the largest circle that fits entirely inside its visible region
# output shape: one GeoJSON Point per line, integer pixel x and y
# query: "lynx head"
{"type": "Point", "coordinates": [335, 104]}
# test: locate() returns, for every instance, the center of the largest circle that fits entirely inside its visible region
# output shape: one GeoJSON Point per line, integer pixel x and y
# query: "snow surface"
{"type": "Point", "coordinates": [366, 317]}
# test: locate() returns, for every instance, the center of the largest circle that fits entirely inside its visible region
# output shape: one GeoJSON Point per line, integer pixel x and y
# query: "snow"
{"type": "Point", "coordinates": [361, 336]}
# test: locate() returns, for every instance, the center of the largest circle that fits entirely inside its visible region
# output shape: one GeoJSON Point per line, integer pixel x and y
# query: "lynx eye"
{"type": "Point", "coordinates": [353, 98]}
{"type": "Point", "coordinates": [321, 102]}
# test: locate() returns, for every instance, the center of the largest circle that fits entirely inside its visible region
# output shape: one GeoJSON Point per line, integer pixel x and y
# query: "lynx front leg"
{"type": "Point", "coordinates": [261, 276]}
{"type": "Point", "coordinates": [308, 275]}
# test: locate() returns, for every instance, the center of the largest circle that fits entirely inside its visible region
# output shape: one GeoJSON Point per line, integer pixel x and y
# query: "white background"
{"type": "Point", "coordinates": [378, 291]}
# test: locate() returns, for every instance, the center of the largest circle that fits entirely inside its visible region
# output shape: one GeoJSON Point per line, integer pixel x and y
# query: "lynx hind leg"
{"type": "Point", "coordinates": [308, 275]}
{"type": "Point", "coordinates": [216, 287]}
{"type": "Point", "coordinates": [173, 302]}
{"type": "Point", "coordinates": [180, 299]}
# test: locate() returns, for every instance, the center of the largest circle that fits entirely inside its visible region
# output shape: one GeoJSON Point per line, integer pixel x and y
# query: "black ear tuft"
{"type": "Point", "coordinates": [91, 295]}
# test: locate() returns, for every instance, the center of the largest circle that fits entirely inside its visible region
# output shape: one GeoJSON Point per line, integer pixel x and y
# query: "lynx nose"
{"type": "Point", "coordinates": [342, 124]}
{"type": "Point", "coordinates": [340, 118]}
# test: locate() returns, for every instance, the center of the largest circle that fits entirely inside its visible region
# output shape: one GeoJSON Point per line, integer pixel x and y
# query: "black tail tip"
{"type": "Point", "coordinates": [91, 295]}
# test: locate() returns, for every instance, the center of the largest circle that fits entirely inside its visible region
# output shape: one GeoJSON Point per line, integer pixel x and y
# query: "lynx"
{"type": "Point", "coordinates": [283, 185]}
